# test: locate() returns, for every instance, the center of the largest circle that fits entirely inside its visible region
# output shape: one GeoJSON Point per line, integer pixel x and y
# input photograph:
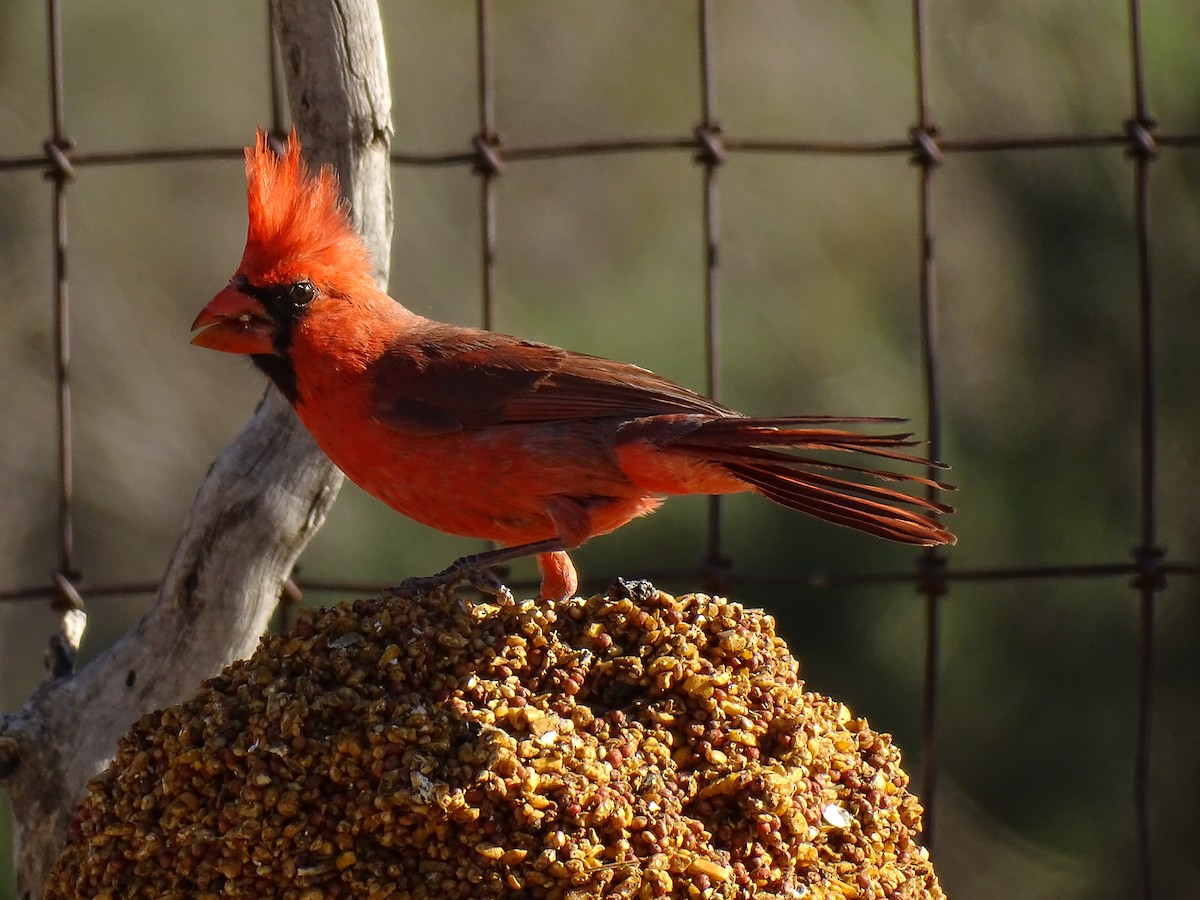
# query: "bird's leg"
{"type": "Point", "coordinates": [475, 570]}
{"type": "Point", "coordinates": [560, 581]}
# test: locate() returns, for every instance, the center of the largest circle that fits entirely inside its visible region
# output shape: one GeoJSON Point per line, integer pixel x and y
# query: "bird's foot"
{"type": "Point", "coordinates": [476, 571]}
{"type": "Point", "coordinates": [465, 571]}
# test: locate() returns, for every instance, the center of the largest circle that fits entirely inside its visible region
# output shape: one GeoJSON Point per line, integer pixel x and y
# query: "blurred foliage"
{"type": "Point", "coordinates": [1037, 319]}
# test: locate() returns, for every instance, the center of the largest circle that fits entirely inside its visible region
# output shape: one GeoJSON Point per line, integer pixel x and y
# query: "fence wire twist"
{"type": "Point", "coordinates": [486, 155]}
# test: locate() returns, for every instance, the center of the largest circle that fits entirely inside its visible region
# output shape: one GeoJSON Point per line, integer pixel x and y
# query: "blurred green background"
{"type": "Point", "coordinates": [1036, 284]}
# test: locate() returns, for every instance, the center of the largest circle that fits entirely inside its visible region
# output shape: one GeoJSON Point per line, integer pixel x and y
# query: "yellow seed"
{"type": "Point", "coordinates": [702, 865]}
{"type": "Point", "coordinates": [490, 851]}
{"type": "Point", "coordinates": [390, 653]}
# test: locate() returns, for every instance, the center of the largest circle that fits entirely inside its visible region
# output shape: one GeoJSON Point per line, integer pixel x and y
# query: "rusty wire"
{"type": "Point", "coordinates": [932, 574]}
{"type": "Point", "coordinates": [487, 161]}
{"type": "Point", "coordinates": [1149, 580]}
{"type": "Point", "coordinates": [710, 154]}
{"type": "Point", "coordinates": [931, 566]}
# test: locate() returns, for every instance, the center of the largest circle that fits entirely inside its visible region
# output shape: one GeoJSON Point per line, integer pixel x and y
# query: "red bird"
{"type": "Point", "coordinates": [490, 436]}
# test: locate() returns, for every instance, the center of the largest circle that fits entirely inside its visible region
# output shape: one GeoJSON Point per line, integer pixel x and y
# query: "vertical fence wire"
{"type": "Point", "coordinates": [68, 602]}
{"type": "Point", "coordinates": [710, 154]}
{"type": "Point", "coordinates": [1149, 581]}
{"type": "Point", "coordinates": [927, 156]}
{"type": "Point", "coordinates": [275, 79]}
{"type": "Point", "coordinates": [57, 148]}
{"type": "Point", "coordinates": [487, 163]}
{"type": "Point", "coordinates": [290, 595]}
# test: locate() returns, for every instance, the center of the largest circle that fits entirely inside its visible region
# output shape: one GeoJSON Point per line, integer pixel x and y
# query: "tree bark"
{"type": "Point", "coordinates": [264, 498]}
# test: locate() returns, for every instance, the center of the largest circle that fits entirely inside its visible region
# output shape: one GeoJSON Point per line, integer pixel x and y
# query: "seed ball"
{"type": "Point", "coordinates": [431, 747]}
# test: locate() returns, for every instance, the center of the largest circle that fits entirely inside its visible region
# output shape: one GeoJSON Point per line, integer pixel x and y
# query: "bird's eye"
{"type": "Point", "coordinates": [302, 293]}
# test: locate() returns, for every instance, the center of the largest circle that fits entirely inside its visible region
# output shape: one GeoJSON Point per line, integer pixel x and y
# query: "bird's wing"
{"type": "Point", "coordinates": [447, 379]}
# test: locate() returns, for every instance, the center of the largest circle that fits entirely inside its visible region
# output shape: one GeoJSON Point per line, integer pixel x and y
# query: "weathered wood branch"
{"type": "Point", "coordinates": [261, 502]}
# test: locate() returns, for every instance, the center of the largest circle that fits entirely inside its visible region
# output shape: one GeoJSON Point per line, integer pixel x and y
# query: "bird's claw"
{"type": "Point", "coordinates": [486, 581]}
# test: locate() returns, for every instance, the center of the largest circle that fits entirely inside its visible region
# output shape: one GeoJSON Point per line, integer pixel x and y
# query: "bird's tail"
{"type": "Point", "coordinates": [812, 479]}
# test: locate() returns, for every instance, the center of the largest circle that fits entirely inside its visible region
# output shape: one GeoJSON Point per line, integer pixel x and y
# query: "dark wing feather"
{"type": "Point", "coordinates": [445, 379]}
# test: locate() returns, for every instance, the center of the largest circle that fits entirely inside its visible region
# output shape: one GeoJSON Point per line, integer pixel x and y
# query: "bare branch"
{"type": "Point", "coordinates": [262, 501]}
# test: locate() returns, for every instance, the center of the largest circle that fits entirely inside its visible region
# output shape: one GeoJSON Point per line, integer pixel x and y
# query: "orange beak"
{"type": "Point", "coordinates": [234, 323]}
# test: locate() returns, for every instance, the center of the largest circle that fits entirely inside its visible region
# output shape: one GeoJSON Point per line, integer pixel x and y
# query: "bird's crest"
{"type": "Point", "coordinates": [299, 227]}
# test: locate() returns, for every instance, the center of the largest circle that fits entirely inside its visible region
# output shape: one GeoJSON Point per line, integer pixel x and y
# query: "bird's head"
{"type": "Point", "coordinates": [301, 252]}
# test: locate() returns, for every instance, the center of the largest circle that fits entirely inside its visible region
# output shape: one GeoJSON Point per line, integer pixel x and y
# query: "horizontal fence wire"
{"type": "Point", "coordinates": [814, 580]}
{"type": "Point", "coordinates": [709, 147]}
{"type": "Point", "coordinates": [473, 157]}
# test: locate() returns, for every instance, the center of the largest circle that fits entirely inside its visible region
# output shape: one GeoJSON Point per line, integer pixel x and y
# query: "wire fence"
{"type": "Point", "coordinates": [933, 574]}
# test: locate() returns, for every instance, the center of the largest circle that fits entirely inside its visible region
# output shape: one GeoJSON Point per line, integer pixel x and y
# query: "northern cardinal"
{"type": "Point", "coordinates": [489, 436]}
